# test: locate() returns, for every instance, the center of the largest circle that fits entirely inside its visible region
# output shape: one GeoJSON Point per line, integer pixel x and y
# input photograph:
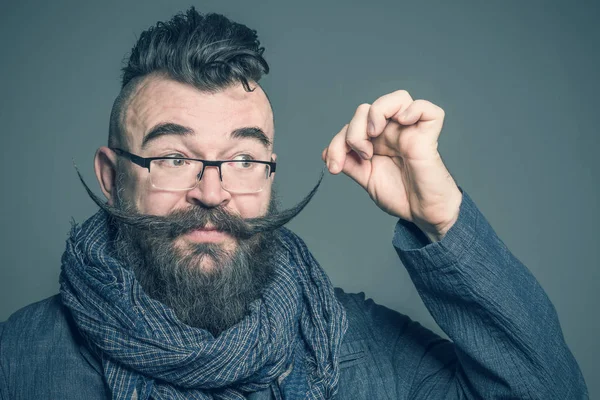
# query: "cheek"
{"type": "Point", "coordinates": [251, 205]}
{"type": "Point", "coordinates": [159, 203]}
{"type": "Point", "coordinates": [149, 200]}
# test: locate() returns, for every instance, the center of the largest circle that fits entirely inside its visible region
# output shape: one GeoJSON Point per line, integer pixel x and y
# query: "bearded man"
{"type": "Point", "coordinates": [185, 285]}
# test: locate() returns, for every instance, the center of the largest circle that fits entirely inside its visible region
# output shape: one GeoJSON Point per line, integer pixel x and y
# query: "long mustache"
{"type": "Point", "coordinates": [183, 221]}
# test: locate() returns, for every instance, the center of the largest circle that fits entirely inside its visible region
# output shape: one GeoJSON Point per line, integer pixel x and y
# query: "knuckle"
{"type": "Point", "coordinates": [364, 107]}
{"type": "Point", "coordinates": [426, 104]}
{"type": "Point", "coordinates": [375, 109]}
{"type": "Point", "coordinates": [354, 143]}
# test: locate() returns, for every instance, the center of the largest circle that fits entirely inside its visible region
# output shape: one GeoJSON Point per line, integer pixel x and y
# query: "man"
{"type": "Point", "coordinates": [185, 285]}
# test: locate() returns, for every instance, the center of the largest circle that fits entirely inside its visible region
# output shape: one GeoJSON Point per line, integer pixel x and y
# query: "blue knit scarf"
{"type": "Point", "coordinates": [145, 348]}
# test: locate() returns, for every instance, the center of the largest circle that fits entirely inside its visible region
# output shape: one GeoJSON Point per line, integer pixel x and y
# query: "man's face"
{"type": "Point", "coordinates": [208, 278]}
{"type": "Point", "coordinates": [208, 121]}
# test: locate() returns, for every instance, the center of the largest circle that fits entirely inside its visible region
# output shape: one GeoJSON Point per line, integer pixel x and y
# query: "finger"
{"type": "Point", "coordinates": [357, 169]}
{"type": "Point", "coordinates": [420, 110]}
{"type": "Point", "coordinates": [336, 152]}
{"type": "Point", "coordinates": [385, 108]}
{"type": "Point", "coordinates": [357, 137]}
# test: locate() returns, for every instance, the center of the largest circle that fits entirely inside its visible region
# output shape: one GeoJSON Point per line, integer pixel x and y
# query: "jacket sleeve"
{"type": "Point", "coordinates": [3, 382]}
{"type": "Point", "coordinates": [506, 339]}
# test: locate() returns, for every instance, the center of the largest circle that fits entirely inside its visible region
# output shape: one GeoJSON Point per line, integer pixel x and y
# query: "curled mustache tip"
{"type": "Point", "coordinates": [95, 198]}
{"type": "Point", "coordinates": [112, 211]}
{"type": "Point", "coordinates": [257, 225]}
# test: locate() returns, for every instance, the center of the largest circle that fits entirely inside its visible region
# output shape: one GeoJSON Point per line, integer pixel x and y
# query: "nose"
{"type": "Point", "coordinates": [208, 192]}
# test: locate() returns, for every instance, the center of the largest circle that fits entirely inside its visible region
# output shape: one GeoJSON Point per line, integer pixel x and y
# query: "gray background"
{"type": "Point", "coordinates": [518, 82]}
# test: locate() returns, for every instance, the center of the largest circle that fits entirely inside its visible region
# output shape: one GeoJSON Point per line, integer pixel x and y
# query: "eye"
{"type": "Point", "coordinates": [243, 165]}
{"type": "Point", "coordinates": [173, 161]}
{"type": "Point", "coordinates": [176, 162]}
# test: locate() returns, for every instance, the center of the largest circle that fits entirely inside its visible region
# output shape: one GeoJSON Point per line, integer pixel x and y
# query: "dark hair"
{"type": "Point", "coordinates": [209, 52]}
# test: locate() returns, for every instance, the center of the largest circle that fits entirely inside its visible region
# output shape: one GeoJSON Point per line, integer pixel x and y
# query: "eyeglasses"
{"type": "Point", "coordinates": [178, 173]}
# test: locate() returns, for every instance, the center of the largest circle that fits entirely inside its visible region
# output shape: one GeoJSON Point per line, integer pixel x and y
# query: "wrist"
{"type": "Point", "coordinates": [436, 233]}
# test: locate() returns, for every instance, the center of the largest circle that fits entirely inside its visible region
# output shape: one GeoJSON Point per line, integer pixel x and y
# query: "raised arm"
{"type": "Point", "coordinates": [507, 339]}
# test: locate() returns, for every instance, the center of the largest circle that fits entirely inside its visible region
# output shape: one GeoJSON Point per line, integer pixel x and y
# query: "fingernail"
{"type": "Point", "coordinates": [364, 155]}
{"type": "Point", "coordinates": [371, 129]}
{"type": "Point", "coordinates": [332, 166]}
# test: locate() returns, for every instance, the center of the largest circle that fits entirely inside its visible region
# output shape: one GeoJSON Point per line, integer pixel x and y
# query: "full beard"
{"type": "Point", "coordinates": [213, 299]}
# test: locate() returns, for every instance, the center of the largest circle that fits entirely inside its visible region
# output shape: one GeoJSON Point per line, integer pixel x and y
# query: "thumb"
{"type": "Point", "coordinates": [357, 169]}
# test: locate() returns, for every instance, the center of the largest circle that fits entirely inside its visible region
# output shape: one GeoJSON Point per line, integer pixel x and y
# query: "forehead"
{"type": "Point", "coordinates": [213, 116]}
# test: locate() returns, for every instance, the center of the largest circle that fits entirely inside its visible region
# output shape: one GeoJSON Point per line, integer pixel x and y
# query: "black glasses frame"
{"type": "Point", "coordinates": [144, 162]}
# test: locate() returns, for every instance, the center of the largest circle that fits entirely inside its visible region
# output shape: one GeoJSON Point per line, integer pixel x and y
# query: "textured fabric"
{"type": "Point", "coordinates": [506, 341]}
{"type": "Point", "coordinates": [145, 348]}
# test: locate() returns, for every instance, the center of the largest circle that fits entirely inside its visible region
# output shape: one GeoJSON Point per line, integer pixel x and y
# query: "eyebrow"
{"type": "Point", "coordinates": [164, 129]}
{"type": "Point", "coordinates": [251, 133]}
{"type": "Point", "coordinates": [169, 128]}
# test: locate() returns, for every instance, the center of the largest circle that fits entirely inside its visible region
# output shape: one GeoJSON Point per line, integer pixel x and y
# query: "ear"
{"type": "Point", "coordinates": [105, 165]}
{"type": "Point", "coordinates": [273, 158]}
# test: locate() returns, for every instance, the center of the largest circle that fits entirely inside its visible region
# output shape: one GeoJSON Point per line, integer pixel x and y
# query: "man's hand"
{"type": "Point", "coordinates": [390, 149]}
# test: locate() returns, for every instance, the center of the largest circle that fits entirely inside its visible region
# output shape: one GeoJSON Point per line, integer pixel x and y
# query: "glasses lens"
{"type": "Point", "coordinates": [244, 176]}
{"type": "Point", "coordinates": [174, 173]}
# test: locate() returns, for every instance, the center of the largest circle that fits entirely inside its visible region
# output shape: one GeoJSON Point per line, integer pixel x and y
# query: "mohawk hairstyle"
{"type": "Point", "coordinates": [209, 52]}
